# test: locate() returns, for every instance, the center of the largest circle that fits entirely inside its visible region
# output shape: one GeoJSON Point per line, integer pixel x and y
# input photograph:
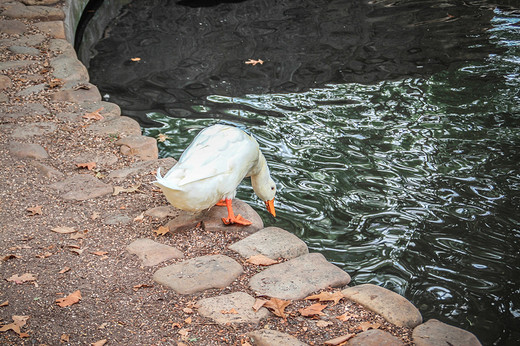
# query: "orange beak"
{"type": "Point", "coordinates": [270, 207]}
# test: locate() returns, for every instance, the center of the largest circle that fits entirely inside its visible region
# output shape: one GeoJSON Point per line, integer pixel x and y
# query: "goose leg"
{"type": "Point", "coordinates": [221, 203]}
{"type": "Point", "coordinates": [232, 219]}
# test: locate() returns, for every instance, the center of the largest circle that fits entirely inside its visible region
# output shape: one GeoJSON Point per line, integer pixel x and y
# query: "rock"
{"type": "Point", "coordinates": [120, 126]}
{"type": "Point", "coordinates": [117, 219]}
{"type": "Point", "coordinates": [101, 159]}
{"type": "Point", "coordinates": [33, 129]}
{"type": "Point", "coordinates": [5, 82]}
{"type": "Point", "coordinates": [63, 46]}
{"type": "Point", "coordinates": [392, 306]}
{"type": "Point", "coordinates": [24, 50]}
{"type": "Point", "coordinates": [82, 187]}
{"type": "Point", "coordinates": [299, 277]}
{"type": "Point", "coordinates": [68, 68]}
{"type": "Point", "coordinates": [12, 27]}
{"type": "Point", "coordinates": [34, 89]}
{"type": "Point", "coordinates": [231, 308]}
{"type": "Point", "coordinates": [374, 337]}
{"type": "Point", "coordinates": [153, 253]}
{"type": "Point", "coordinates": [55, 29]}
{"type": "Point", "coordinates": [40, 2]}
{"type": "Point", "coordinates": [268, 337]}
{"type": "Point", "coordinates": [141, 146]}
{"type": "Point", "coordinates": [47, 171]}
{"type": "Point", "coordinates": [31, 40]}
{"type": "Point", "coordinates": [140, 168]}
{"type": "Point", "coordinates": [199, 274]}
{"type": "Point", "coordinates": [27, 109]}
{"type": "Point", "coordinates": [84, 92]}
{"type": "Point", "coordinates": [436, 333]}
{"type": "Point", "coordinates": [272, 242]}
{"type": "Point", "coordinates": [108, 109]}
{"type": "Point", "coordinates": [43, 13]}
{"type": "Point", "coordinates": [27, 150]}
{"type": "Point", "coordinates": [8, 65]}
{"type": "Point", "coordinates": [162, 212]}
{"type": "Point", "coordinates": [3, 98]}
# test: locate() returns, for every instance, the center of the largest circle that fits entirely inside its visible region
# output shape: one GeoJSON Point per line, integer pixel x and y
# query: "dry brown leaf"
{"type": "Point", "coordinates": [312, 310]}
{"type": "Point", "coordinates": [77, 251]}
{"type": "Point", "coordinates": [64, 270]}
{"type": "Point", "coordinates": [9, 256]}
{"type": "Point", "coordinates": [119, 189]}
{"type": "Point", "coordinates": [136, 287]}
{"type": "Point", "coordinates": [364, 326]}
{"type": "Point", "coordinates": [44, 255]}
{"type": "Point", "coordinates": [36, 210]}
{"type": "Point", "coordinates": [99, 342]}
{"type": "Point", "coordinates": [135, 59]}
{"type": "Point", "coordinates": [64, 338]}
{"type": "Point", "coordinates": [261, 260]}
{"type": "Point", "coordinates": [188, 320]}
{"type": "Point", "coordinates": [323, 324]}
{"type": "Point", "coordinates": [258, 304]}
{"type": "Point", "coordinates": [188, 310]}
{"type": "Point", "coordinates": [277, 306]}
{"type": "Point", "coordinates": [254, 62]}
{"type": "Point", "coordinates": [162, 230]}
{"type": "Point", "coordinates": [63, 230]}
{"type": "Point", "coordinates": [71, 299]}
{"type": "Point", "coordinates": [95, 115]}
{"type": "Point", "coordinates": [327, 297]}
{"type": "Point", "coordinates": [4, 303]}
{"type": "Point", "coordinates": [162, 137]}
{"type": "Point", "coordinates": [345, 317]}
{"type": "Point", "coordinates": [139, 218]}
{"type": "Point", "coordinates": [339, 340]}
{"type": "Point", "coordinates": [184, 332]}
{"type": "Point", "coordinates": [229, 312]}
{"type": "Point", "coordinates": [20, 279]}
{"type": "Point", "coordinates": [18, 322]}
{"type": "Point", "coordinates": [55, 82]}
{"type": "Point", "coordinates": [88, 165]}
{"type": "Point", "coordinates": [99, 253]}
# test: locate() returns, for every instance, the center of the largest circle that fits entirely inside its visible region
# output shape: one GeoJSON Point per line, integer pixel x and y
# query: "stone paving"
{"type": "Point", "coordinates": [299, 274]}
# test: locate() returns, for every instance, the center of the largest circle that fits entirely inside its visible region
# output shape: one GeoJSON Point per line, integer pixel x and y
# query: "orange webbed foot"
{"type": "Point", "coordinates": [237, 220]}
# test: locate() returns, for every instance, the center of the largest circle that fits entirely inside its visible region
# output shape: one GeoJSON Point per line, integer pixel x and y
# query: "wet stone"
{"type": "Point", "coordinates": [152, 253]}
{"type": "Point", "coordinates": [231, 308]}
{"type": "Point", "coordinates": [199, 274]}
{"type": "Point", "coordinates": [268, 337]}
{"type": "Point", "coordinates": [33, 129]}
{"type": "Point", "coordinates": [374, 337]}
{"type": "Point", "coordinates": [141, 146]}
{"type": "Point", "coordinates": [436, 333]}
{"type": "Point", "coordinates": [82, 187]}
{"type": "Point", "coordinates": [392, 306]}
{"type": "Point", "coordinates": [272, 242]}
{"type": "Point", "coordinates": [299, 277]}
{"type": "Point", "coordinates": [27, 150]}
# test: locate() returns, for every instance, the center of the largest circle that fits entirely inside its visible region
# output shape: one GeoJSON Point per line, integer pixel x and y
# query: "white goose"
{"type": "Point", "coordinates": [211, 168]}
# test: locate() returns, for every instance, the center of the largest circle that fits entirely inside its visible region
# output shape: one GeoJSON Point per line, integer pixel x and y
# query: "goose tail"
{"type": "Point", "coordinates": [163, 183]}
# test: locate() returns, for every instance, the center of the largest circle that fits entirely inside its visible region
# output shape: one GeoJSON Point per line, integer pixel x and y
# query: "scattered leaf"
{"type": "Point", "coordinates": [136, 287]}
{"type": "Point", "coordinates": [162, 137]}
{"type": "Point", "coordinates": [77, 251]}
{"type": "Point", "coordinates": [278, 306]}
{"type": "Point", "coordinates": [99, 253]}
{"type": "Point", "coordinates": [44, 255]}
{"type": "Point", "coordinates": [99, 342]}
{"type": "Point", "coordinates": [364, 326]}
{"type": "Point", "coordinates": [64, 338]}
{"type": "Point", "coordinates": [63, 230]}
{"type": "Point", "coordinates": [71, 299]}
{"type": "Point", "coordinates": [188, 320]}
{"type": "Point", "coordinates": [64, 270]}
{"type": "Point", "coordinates": [139, 218]}
{"type": "Point", "coordinates": [20, 279]}
{"type": "Point", "coordinates": [184, 332]}
{"type": "Point", "coordinates": [261, 260]}
{"type": "Point", "coordinates": [119, 189]}
{"type": "Point", "coordinates": [327, 297]}
{"type": "Point", "coordinates": [95, 215]}
{"type": "Point", "coordinates": [4, 303]}
{"type": "Point", "coordinates": [94, 115]}
{"type": "Point", "coordinates": [345, 317]}
{"type": "Point", "coordinates": [312, 310]}
{"type": "Point", "coordinates": [8, 257]}
{"type": "Point", "coordinates": [18, 322]}
{"type": "Point", "coordinates": [135, 59]}
{"type": "Point", "coordinates": [254, 62]}
{"type": "Point", "coordinates": [55, 82]}
{"type": "Point", "coordinates": [258, 304]}
{"type": "Point", "coordinates": [88, 165]}
{"type": "Point", "coordinates": [103, 325]}
{"type": "Point", "coordinates": [162, 230]}
{"type": "Point", "coordinates": [229, 312]}
{"type": "Point", "coordinates": [188, 310]}
{"type": "Point", "coordinates": [323, 324]}
{"type": "Point", "coordinates": [339, 340]}
{"type": "Point", "coordinates": [76, 236]}
{"type": "Point", "coordinates": [36, 210]}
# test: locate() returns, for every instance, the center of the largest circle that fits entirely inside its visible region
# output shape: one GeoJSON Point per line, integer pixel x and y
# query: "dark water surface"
{"type": "Point", "coordinates": [392, 129]}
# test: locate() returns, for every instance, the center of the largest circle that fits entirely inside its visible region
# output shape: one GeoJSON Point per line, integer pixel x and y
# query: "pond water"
{"type": "Point", "coordinates": [392, 129]}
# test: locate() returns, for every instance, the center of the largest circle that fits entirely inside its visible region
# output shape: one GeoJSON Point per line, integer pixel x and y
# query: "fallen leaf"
{"type": "Point", "coordinates": [278, 306]}
{"type": "Point", "coordinates": [76, 236]}
{"type": "Point", "coordinates": [71, 299]}
{"type": "Point", "coordinates": [162, 137]}
{"type": "Point", "coordinates": [312, 310]}
{"type": "Point", "coordinates": [20, 279]}
{"type": "Point", "coordinates": [4, 303]}
{"type": "Point", "coordinates": [64, 270]}
{"type": "Point", "coordinates": [36, 210]}
{"type": "Point", "coordinates": [230, 312]}
{"type": "Point", "coordinates": [135, 59]}
{"type": "Point", "coordinates": [44, 255]}
{"type": "Point", "coordinates": [345, 317]}
{"type": "Point", "coordinates": [77, 251]}
{"type": "Point", "coordinates": [139, 218]}
{"type": "Point", "coordinates": [99, 253]}
{"type": "Point", "coordinates": [339, 340]}
{"type": "Point", "coordinates": [94, 115]}
{"type": "Point", "coordinates": [136, 287]}
{"type": "Point", "coordinates": [162, 230]}
{"type": "Point", "coordinates": [64, 338]}
{"type": "Point", "coordinates": [99, 342]}
{"type": "Point", "coordinates": [184, 332]}
{"type": "Point", "coordinates": [103, 325]}
{"type": "Point", "coordinates": [119, 189]}
{"type": "Point", "coordinates": [95, 215]}
{"type": "Point", "coordinates": [63, 230]}
{"type": "Point", "coordinates": [18, 322]}
{"type": "Point", "coordinates": [88, 165]}
{"type": "Point", "coordinates": [8, 257]}
{"type": "Point", "coordinates": [327, 297]}
{"type": "Point", "coordinates": [323, 324]}
{"type": "Point", "coordinates": [258, 304]}
{"type": "Point", "coordinates": [176, 325]}
{"type": "Point", "coordinates": [188, 310]}
{"type": "Point", "coordinates": [261, 260]}
{"type": "Point", "coordinates": [254, 62]}
{"type": "Point", "coordinates": [188, 320]}
{"type": "Point", "coordinates": [364, 326]}
{"type": "Point", "coordinates": [55, 82]}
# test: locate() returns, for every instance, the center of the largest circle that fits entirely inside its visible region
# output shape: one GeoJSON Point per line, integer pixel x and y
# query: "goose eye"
{"type": "Point", "coordinates": [272, 188]}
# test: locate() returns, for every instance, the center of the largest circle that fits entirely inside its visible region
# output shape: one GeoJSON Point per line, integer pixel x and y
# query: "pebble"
{"type": "Point", "coordinates": [199, 274]}
{"type": "Point", "coordinates": [27, 150]}
{"type": "Point", "coordinates": [143, 147]}
{"type": "Point", "coordinates": [152, 253]}
{"type": "Point", "coordinates": [272, 242]}
{"type": "Point", "coordinates": [374, 337]}
{"type": "Point", "coordinates": [81, 187]}
{"type": "Point", "coordinates": [299, 277]}
{"type": "Point", "coordinates": [436, 333]}
{"type": "Point", "coordinates": [231, 308]}
{"type": "Point", "coordinates": [268, 337]}
{"type": "Point", "coordinates": [392, 306]}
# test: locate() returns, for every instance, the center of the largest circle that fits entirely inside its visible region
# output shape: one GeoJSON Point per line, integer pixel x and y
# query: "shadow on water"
{"type": "Point", "coordinates": [391, 127]}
